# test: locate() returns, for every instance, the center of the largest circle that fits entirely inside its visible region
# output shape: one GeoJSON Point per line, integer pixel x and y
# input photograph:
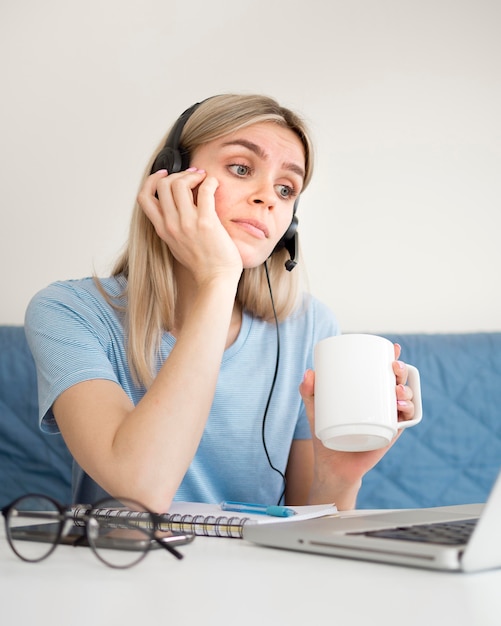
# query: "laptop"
{"type": "Point", "coordinates": [464, 538]}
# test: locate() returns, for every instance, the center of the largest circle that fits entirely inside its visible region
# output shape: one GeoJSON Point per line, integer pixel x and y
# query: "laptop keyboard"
{"type": "Point", "coordinates": [449, 533]}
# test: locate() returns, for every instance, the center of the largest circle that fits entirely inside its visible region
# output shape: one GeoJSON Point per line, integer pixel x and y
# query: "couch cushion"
{"type": "Point", "coordinates": [454, 455]}
{"type": "Point", "coordinates": [30, 461]}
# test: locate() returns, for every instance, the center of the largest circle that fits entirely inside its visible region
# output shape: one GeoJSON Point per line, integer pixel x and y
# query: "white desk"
{"type": "Point", "coordinates": [230, 581]}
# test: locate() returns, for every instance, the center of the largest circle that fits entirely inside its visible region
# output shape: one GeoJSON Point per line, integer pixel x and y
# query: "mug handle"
{"type": "Point", "coordinates": [414, 382]}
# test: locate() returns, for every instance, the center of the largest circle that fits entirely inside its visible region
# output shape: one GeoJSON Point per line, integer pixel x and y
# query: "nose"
{"type": "Point", "coordinates": [265, 195]}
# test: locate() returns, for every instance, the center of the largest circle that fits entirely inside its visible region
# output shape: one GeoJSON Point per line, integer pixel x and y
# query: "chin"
{"type": "Point", "coordinates": [252, 258]}
{"type": "Point", "coordinates": [251, 265]}
{"type": "Point", "coordinates": [251, 261]}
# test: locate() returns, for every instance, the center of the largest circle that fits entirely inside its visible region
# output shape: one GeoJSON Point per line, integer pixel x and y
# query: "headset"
{"type": "Point", "coordinates": [174, 158]}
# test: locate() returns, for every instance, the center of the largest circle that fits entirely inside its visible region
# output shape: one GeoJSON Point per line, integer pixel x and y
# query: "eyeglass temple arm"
{"type": "Point", "coordinates": [169, 548]}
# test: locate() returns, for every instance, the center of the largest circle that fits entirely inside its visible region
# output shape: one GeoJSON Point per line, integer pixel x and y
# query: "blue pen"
{"type": "Point", "coordinates": [261, 509]}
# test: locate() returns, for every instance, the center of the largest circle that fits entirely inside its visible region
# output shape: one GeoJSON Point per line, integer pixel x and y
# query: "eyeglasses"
{"type": "Point", "coordinates": [120, 531]}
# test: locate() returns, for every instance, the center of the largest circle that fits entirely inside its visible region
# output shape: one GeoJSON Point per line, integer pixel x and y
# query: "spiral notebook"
{"type": "Point", "coordinates": [208, 520]}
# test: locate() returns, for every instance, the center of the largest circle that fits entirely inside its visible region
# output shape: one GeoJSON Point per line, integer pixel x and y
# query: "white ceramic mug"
{"type": "Point", "coordinates": [355, 396]}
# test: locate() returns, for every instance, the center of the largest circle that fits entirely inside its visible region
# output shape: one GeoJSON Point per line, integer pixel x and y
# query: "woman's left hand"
{"type": "Point", "coordinates": [338, 475]}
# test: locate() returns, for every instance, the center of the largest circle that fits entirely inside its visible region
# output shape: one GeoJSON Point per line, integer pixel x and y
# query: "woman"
{"type": "Point", "coordinates": [162, 378]}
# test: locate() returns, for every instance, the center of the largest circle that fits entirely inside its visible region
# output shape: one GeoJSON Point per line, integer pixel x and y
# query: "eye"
{"type": "Point", "coordinates": [285, 191]}
{"type": "Point", "coordinates": [239, 169]}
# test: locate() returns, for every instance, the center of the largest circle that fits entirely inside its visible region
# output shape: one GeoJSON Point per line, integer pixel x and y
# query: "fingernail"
{"type": "Point", "coordinates": [191, 169]}
{"type": "Point", "coordinates": [402, 402]}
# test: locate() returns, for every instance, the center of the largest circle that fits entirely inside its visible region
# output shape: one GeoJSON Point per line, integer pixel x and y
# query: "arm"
{"type": "Point", "coordinates": [125, 448]}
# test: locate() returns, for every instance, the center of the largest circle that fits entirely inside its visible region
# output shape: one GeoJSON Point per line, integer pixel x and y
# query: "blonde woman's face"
{"type": "Point", "coordinates": [260, 170]}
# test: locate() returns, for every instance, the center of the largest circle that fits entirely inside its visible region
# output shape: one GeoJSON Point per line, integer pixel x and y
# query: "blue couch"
{"type": "Point", "coordinates": [30, 461]}
{"type": "Point", "coordinates": [452, 457]}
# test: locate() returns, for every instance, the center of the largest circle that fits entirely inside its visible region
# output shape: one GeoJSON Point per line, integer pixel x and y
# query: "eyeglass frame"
{"type": "Point", "coordinates": [66, 514]}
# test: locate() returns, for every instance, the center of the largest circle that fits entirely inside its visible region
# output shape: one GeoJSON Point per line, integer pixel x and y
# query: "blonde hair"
{"type": "Point", "coordinates": [147, 262]}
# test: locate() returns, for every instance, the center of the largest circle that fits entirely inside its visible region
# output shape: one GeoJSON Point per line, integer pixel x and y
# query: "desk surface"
{"type": "Point", "coordinates": [230, 581]}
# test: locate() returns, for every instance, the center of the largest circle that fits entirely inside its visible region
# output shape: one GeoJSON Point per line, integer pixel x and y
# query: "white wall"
{"type": "Point", "coordinates": [400, 227]}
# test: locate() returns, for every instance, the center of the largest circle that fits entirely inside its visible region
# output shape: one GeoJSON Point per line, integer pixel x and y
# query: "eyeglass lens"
{"type": "Point", "coordinates": [121, 533]}
{"type": "Point", "coordinates": [34, 527]}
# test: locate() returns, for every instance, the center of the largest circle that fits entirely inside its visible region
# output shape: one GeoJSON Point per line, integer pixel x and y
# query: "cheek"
{"type": "Point", "coordinates": [222, 200]}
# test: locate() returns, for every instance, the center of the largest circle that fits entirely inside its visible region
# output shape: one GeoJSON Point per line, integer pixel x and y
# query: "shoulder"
{"type": "Point", "coordinates": [75, 294]}
{"type": "Point", "coordinates": [308, 324]}
{"type": "Point", "coordinates": [68, 305]}
{"type": "Point", "coordinates": [313, 316]}
{"type": "Point", "coordinates": [77, 290]}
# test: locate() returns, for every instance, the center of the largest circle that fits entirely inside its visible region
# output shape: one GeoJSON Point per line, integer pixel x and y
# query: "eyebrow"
{"type": "Point", "coordinates": [256, 149]}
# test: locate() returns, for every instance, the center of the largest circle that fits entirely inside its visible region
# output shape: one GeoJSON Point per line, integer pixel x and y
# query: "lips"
{"type": "Point", "coordinates": [254, 227]}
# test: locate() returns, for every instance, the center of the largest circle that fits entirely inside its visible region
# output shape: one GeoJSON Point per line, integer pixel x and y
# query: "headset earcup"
{"type": "Point", "coordinates": [172, 157]}
{"type": "Point", "coordinates": [290, 242]}
{"type": "Point", "coordinates": [290, 233]}
{"type": "Point", "coordinates": [168, 159]}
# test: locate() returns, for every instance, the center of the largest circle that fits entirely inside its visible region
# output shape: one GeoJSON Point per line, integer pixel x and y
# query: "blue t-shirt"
{"type": "Point", "coordinates": [75, 335]}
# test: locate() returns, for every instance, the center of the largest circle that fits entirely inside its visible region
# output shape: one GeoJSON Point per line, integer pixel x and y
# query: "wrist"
{"type": "Point", "coordinates": [336, 489]}
{"type": "Point", "coordinates": [223, 280]}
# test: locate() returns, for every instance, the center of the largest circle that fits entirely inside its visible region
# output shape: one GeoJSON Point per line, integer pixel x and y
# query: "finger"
{"type": "Point", "coordinates": [307, 390]}
{"type": "Point", "coordinates": [206, 194]}
{"type": "Point", "coordinates": [404, 393]}
{"type": "Point", "coordinates": [307, 386]}
{"type": "Point", "coordinates": [405, 406]}
{"type": "Point", "coordinates": [178, 190]}
{"type": "Point", "coordinates": [400, 371]}
{"type": "Point", "coordinates": [398, 350]}
{"type": "Point", "coordinates": [153, 179]}
{"type": "Point", "coordinates": [150, 186]}
{"type": "Point", "coordinates": [405, 410]}
{"type": "Point", "coordinates": [156, 200]}
{"type": "Point", "coordinates": [147, 198]}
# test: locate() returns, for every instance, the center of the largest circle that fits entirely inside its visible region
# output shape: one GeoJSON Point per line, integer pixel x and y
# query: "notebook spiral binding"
{"type": "Point", "coordinates": [203, 525]}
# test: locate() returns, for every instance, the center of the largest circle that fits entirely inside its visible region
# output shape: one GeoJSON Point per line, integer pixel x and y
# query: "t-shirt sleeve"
{"type": "Point", "coordinates": [69, 343]}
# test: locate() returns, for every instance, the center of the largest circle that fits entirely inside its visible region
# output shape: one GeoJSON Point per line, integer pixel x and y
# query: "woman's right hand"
{"type": "Point", "coordinates": [182, 209]}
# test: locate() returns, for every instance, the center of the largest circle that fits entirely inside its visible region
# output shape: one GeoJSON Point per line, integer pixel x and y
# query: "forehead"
{"type": "Point", "coordinates": [268, 140]}
{"type": "Point", "coordinates": [267, 132]}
